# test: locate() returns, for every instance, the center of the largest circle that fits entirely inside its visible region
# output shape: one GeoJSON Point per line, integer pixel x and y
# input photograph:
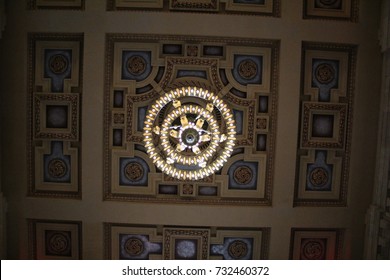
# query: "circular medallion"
{"type": "Point", "coordinates": [313, 250]}
{"type": "Point", "coordinates": [242, 175]}
{"type": "Point", "coordinates": [134, 171]}
{"type": "Point", "coordinates": [247, 69]}
{"type": "Point", "coordinates": [238, 249]}
{"type": "Point", "coordinates": [57, 168]}
{"type": "Point", "coordinates": [136, 65]}
{"type": "Point", "coordinates": [319, 177]}
{"type": "Point", "coordinates": [58, 64]}
{"type": "Point", "coordinates": [134, 246]}
{"type": "Point", "coordinates": [58, 243]}
{"type": "Point", "coordinates": [324, 73]}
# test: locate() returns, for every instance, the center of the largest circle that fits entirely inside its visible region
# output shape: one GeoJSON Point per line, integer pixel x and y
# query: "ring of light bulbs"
{"type": "Point", "coordinates": [189, 144]}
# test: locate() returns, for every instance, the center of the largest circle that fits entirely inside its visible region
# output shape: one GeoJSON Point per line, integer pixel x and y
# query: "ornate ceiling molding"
{"type": "Point", "coordinates": [168, 155]}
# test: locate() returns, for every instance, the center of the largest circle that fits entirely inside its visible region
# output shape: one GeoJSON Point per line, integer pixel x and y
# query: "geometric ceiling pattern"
{"type": "Point", "coordinates": [62, 240]}
{"type": "Point", "coordinates": [328, 73]}
{"type": "Point", "coordinates": [256, 7]}
{"type": "Point", "coordinates": [341, 10]}
{"type": "Point", "coordinates": [142, 68]}
{"type": "Point", "coordinates": [147, 242]}
{"type": "Point", "coordinates": [54, 239]}
{"type": "Point", "coordinates": [316, 244]}
{"type": "Point", "coordinates": [54, 102]}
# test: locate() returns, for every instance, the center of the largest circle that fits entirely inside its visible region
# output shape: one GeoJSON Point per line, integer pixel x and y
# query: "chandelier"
{"type": "Point", "coordinates": [189, 133]}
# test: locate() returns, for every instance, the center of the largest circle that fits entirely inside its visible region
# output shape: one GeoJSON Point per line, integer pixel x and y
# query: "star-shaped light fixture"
{"type": "Point", "coordinates": [189, 133]}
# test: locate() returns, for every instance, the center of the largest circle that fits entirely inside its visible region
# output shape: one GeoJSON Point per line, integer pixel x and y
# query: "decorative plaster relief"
{"type": "Point", "coordinates": [331, 9]}
{"type": "Point", "coordinates": [142, 68]}
{"type": "Point", "coordinates": [140, 242]}
{"type": "Point", "coordinates": [316, 244]}
{"type": "Point", "coordinates": [328, 72]}
{"type": "Point", "coordinates": [191, 5]}
{"type": "Point", "coordinates": [55, 240]}
{"type": "Point", "coordinates": [255, 7]}
{"type": "Point", "coordinates": [54, 99]}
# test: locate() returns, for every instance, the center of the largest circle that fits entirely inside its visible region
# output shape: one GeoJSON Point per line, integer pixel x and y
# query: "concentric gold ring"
{"type": "Point", "coordinates": [186, 161]}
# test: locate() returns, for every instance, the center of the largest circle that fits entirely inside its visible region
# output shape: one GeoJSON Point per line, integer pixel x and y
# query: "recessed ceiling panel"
{"type": "Point", "coordinates": [190, 126]}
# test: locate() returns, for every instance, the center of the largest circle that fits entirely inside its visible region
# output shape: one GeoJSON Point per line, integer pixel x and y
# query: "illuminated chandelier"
{"type": "Point", "coordinates": [188, 141]}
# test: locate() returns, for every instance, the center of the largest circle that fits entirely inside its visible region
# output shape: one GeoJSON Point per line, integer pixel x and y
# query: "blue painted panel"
{"type": "Point", "coordinates": [118, 99]}
{"type": "Point", "coordinates": [167, 189]}
{"type": "Point", "coordinates": [137, 247]}
{"type": "Point", "coordinates": [117, 137]}
{"type": "Point", "coordinates": [245, 168]}
{"type": "Point", "coordinates": [248, 69]}
{"type": "Point", "coordinates": [319, 174]}
{"type": "Point", "coordinates": [208, 191]}
{"type": "Point", "coordinates": [186, 249]}
{"type": "Point", "coordinates": [325, 76]}
{"type": "Point", "coordinates": [57, 67]}
{"type": "Point", "coordinates": [222, 75]}
{"type": "Point", "coordinates": [57, 165]}
{"type": "Point", "coordinates": [142, 66]}
{"type": "Point", "coordinates": [133, 172]}
{"type": "Point", "coordinates": [213, 50]}
{"type": "Point", "coordinates": [238, 93]}
{"type": "Point", "coordinates": [261, 144]}
{"type": "Point", "coordinates": [239, 118]}
{"type": "Point", "coordinates": [141, 117]}
{"type": "Point", "coordinates": [234, 248]}
{"type": "Point", "coordinates": [172, 49]}
{"type": "Point", "coordinates": [143, 89]}
{"type": "Point", "coordinates": [191, 73]}
{"type": "Point", "coordinates": [322, 125]}
{"type": "Point", "coordinates": [57, 116]}
{"type": "Point", "coordinates": [263, 104]}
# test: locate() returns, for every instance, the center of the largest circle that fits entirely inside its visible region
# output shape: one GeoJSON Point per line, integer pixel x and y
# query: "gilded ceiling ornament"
{"type": "Point", "coordinates": [188, 189]}
{"type": "Point", "coordinates": [324, 73]}
{"type": "Point", "coordinates": [319, 177]}
{"type": "Point", "coordinates": [238, 249]}
{"type": "Point", "coordinates": [192, 50]}
{"type": "Point", "coordinates": [57, 168]}
{"type": "Point", "coordinates": [119, 118]}
{"type": "Point", "coordinates": [313, 250]}
{"type": "Point", "coordinates": [261, 123]}
{"type": "Point", "coordinates": [58, 64]}
{"type": "Point", "coordinates": [58, 243]}
{"type": "Point", "coordinates": [243, 175]}
{"type": "Point", "coordinates": [189, 142]}
{"type": "Point", "coordinates": [134, 246]}
{"type": "Point", "coordinates": [136, 65]}
{"type": "Point", "coordinates": [134, 171]}
{"type": "Point", "coordinates": [247, 69]}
